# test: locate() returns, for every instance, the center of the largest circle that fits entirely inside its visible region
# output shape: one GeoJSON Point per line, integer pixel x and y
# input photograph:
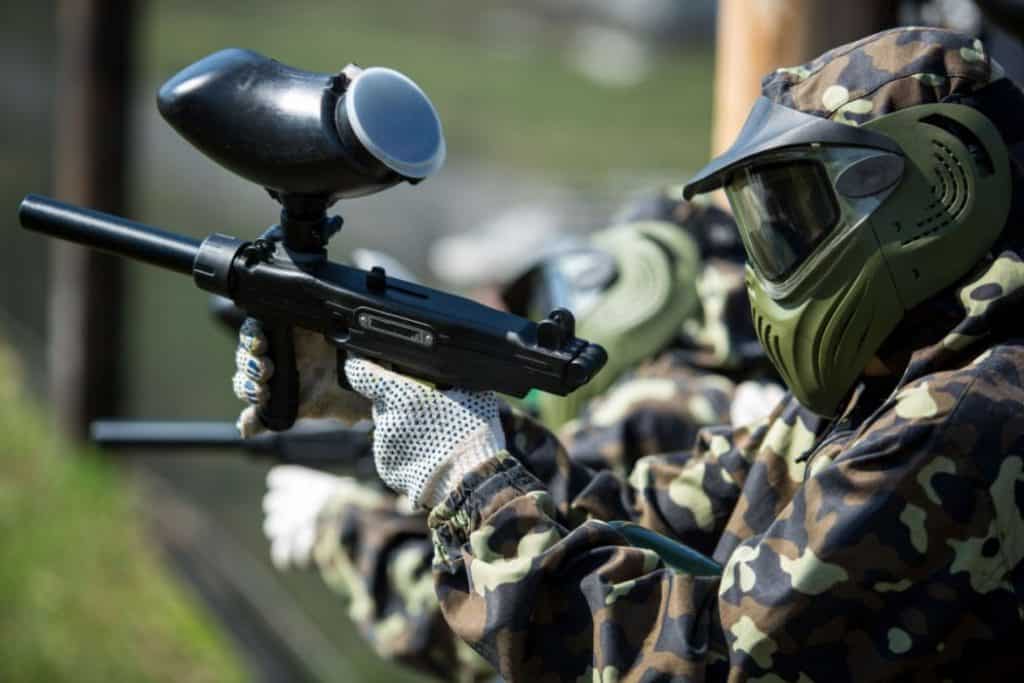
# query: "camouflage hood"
{"type": "Point", "coordinates": [884, 73]}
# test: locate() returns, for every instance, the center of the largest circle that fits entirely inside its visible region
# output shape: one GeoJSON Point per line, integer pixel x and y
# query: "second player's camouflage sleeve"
{"type": "Point", "coordinates": [893, 554]}
{"type": "Point", "coordinates": [658, 408]}
{"type": "Point", "coordinates": [379, 559]}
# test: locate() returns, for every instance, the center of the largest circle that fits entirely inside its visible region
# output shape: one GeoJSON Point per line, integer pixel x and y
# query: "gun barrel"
{"type": "Point", "coordinates": [159, 435]}
{"type": "Point", "coordinates": [314, 444]}
{"type": "Point", "coordinates": [108, 233]}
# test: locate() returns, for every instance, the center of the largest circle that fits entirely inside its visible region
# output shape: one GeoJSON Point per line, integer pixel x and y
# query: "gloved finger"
{"type": "Point", "coordinates": [249, 424]}
{"type": "Point", "coordinates": [299, 476]}
{"type": "Point", "coordinates": [256, 368]}
{"type": "Point", "coordinates": [275, 527]}
{"type": "Point", "coordinates": [279, 552]}
{"type": "Point", "coordinates": [278, 502]}
{"type": "Point", "coordinates": [277, 524]}
{"type": "Point", "coordinates": [250, 391]}
{"type": "Point", "coordinates": [251, 337]}
{"type": "Point", "coordinates": [269, 527]}
{"type": "Point", "coordinates": [283, 511]}
{"type": "Point", "coordinates": [374, 382]}
{"type": "Point", "coordinates": [302, 546]}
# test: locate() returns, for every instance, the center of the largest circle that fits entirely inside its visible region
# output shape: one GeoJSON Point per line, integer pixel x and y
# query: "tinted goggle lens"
{"type": "Point", "coordinates": [573, 280]}
{"type": "Point", "coordinates": [784, 210]}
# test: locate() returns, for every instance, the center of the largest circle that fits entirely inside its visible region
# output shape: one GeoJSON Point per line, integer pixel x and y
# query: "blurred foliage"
{"type": "Point", "coordinates": [504, 90]}
{"type": "Point", "coordinates": [83, 596]}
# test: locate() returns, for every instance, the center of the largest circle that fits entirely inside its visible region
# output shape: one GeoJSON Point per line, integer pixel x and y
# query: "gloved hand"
{"type": "Point", "coordinates": [296, 499]}
{"type": "Point", "coordinates": [316, 361]}
{"type": "Point", "coordinates": [425, 440]}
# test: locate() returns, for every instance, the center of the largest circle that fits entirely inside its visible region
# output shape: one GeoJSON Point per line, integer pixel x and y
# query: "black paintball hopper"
{"type": "Point", "coordinates": [303, 133]}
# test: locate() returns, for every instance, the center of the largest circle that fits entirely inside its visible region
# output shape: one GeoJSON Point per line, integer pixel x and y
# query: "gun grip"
{"type": "Point", "coordinates": [280, 411]}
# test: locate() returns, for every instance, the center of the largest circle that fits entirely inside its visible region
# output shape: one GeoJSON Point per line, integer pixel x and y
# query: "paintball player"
{"type": "Point", "coordinates": [880, 537]}
{"type": "Point", "coordinates": [663, 290]}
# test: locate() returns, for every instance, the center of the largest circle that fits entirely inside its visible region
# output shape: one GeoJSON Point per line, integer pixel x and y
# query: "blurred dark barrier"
{"type": "Point", "coordinates": [96, 60]}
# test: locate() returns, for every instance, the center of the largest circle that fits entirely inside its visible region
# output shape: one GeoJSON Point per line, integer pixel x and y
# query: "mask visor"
{"type": "Point", "coordinates": [575, 280]}
{"type": "Point", "coordinates": [784, 210]}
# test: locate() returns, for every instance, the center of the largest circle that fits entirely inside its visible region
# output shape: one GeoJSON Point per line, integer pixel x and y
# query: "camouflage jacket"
{"type": "Point", "coordinates": [887, 545]}
{"type": "Point", "coordinates": [380, 557]}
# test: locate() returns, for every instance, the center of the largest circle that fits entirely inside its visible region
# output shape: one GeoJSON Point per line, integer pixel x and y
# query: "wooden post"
{"type": "Point", "coordinates": [757, 36]}
{"type": "Point", "coordinates": [91, 115]}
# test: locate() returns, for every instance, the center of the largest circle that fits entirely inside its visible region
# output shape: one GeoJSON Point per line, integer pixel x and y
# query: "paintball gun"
{"type": "Point", "coordinates": [311, 139]}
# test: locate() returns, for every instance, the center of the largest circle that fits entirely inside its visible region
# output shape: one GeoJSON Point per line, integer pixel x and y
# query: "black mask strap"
{"type": "Point", "coordinates": [1002, 102]}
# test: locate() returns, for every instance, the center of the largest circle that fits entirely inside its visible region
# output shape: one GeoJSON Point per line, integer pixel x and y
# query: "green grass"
{"type": "Point", "coordinates": [524, 109]}
{"type": "Point", "coordinates": [83, 596]}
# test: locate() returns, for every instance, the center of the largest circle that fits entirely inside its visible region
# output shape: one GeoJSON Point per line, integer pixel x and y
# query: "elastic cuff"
{"type": "Point", "coordinates": [480, 447]}
{"type": "Point", "coordinates": [481, 492]}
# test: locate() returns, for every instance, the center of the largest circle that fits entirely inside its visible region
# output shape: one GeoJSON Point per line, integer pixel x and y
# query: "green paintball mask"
{"type": "Point", "coordinates": [846, 228]}
{"type": "Point", "coordinates": [630, 287]}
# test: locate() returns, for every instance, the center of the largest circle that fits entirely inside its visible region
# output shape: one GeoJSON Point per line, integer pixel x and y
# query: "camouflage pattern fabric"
{"type": "Point", "coordinates": [657, 408]}
{"type": "Point", "coordinates": [885, 546]}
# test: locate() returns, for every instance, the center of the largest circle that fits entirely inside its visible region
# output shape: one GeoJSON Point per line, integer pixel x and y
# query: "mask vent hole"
{"type": "Point", "coordinates": [949, 193]}
{"type": "Point", "coordinates": [979, 154]}
{"type": "Point", "coordinates": [764, 333]}
{"type": "Point", "coordinates": [778, 351]}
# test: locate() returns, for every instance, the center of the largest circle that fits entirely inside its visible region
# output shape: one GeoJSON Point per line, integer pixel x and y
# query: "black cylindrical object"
{"type": "Point", "coordinates": [312, 444]}
{"type": "Point", "coordinates": [174, 436]}
{"type": "Point", "coordinates": [109, 233]}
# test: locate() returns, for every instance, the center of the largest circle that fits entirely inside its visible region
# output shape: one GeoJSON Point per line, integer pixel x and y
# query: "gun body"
{"type": "Point", "coordinates": [419, 331]}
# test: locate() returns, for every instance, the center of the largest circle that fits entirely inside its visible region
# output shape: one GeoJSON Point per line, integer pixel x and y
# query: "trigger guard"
{"type": "Point", "coordinates": [342, 356]}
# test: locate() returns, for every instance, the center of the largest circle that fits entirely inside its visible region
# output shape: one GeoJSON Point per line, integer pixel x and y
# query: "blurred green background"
{"type": "Point", "coordinates": [569, 103]}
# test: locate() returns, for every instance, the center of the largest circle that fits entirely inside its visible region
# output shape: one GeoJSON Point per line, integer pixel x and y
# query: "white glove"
{"type": "Point", "coordinates": [425, 440]}
{"type": "Point", "coordinates": [754, 401]}
{"type": "Point", "coordinates": [316, 361]}
{"type": "Point", "coordinates": [295, 500]}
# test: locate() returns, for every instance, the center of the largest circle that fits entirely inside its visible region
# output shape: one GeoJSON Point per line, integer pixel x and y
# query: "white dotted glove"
{"type": "Point", "coordinates": [426, 440]}
{"type": "Point", "coordinates": [316, 360]}
{"type": "Point", "coordinates": [754, 401]}
{"type": "Point", "coordinates": [295, 500]}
